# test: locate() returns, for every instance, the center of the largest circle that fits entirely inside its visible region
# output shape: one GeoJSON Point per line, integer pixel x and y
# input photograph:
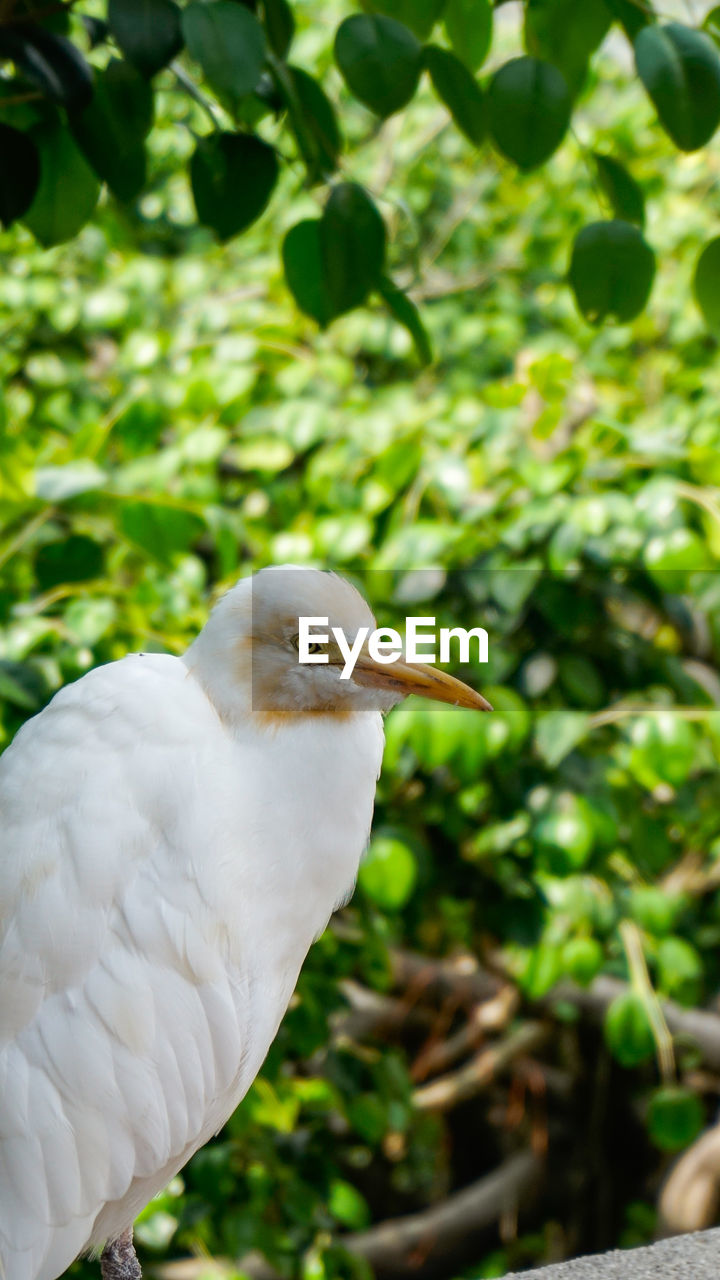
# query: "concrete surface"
{"type": "Point", "coordinates": [695, 1257]}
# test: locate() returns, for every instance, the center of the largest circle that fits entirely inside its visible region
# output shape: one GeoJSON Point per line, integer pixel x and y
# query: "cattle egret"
{"type": "Point", "coordinates": [175, 833]}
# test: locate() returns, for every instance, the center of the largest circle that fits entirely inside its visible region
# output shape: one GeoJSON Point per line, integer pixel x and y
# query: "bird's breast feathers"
{"type": "Point", "coordinates": [162, 877]}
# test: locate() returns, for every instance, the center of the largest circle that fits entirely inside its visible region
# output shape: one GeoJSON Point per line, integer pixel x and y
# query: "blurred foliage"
{"type": "Point", "coordinates": [277, 94]}
{"type": "Point", "coordinates": [169, 420]}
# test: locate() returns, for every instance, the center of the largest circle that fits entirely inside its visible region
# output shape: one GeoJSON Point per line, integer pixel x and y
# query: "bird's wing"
{"type": "Point", "coordinates": [110, 980]}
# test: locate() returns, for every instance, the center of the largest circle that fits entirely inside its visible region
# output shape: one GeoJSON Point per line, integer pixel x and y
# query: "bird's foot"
{"type": "Point", "coordinates": [118, 1260]}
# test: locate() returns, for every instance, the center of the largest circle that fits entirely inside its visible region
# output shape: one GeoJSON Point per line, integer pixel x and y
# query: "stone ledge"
{"type": "Point", "coordinates": [695, 1257]}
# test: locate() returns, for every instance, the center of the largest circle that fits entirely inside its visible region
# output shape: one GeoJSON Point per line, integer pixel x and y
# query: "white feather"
{"type": "Point", "coordinates": [164, 868]}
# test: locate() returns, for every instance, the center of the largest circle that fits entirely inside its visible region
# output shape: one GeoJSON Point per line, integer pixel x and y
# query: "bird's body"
{"type": "Point", "coordinates": [169, 853]}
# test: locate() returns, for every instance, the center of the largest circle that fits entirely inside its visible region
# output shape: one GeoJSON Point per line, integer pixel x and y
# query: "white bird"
{"type": "Point", "coordinates": [175, 834]}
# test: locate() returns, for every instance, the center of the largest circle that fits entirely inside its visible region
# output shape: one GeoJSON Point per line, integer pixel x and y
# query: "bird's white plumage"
{"type": "Point", "coordinates": [162, 875]}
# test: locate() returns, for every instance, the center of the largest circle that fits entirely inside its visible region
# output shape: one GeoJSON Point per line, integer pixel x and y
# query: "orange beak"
{"type": "Point", "coordinates": [415, 677]}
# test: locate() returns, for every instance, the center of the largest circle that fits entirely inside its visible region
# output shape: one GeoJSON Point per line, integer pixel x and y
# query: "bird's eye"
{"type": "Point", "coordinates": [315, 646]}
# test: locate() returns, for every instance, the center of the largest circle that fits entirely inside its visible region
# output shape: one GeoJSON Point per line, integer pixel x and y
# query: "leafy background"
{"type": "Point", "coordinates": [518, 982]}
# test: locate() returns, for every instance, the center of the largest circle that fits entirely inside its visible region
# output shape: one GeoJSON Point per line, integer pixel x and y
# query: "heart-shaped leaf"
{"type": "Point", "coordinates": [611, 271]}
{"type": "Point", "coordinates": [680, 69]}
{"type": "Point", "coordinates": [353, 246]}
{"type": "Point", "coordinates": [147, 31]}
{"type": "Point", "coordinates": [380, 59]}
{"type": "Point", "coordinates": [706, 284]}
{"type": "Point", "coordinates": [469, 27]}
{"type": "Point", "coordinates": [529, 110]}
{"type": "Point", "coordinates": [554, 31]}
{"type": "Point", "coordinates": [459, 90]}
{"type": "Point", "coordinates": [232, 177]}
{"type": "Point", "coordinates": [621, 189]}
{"type": "Point", "coordinates": [228, 42]}
{"type": "Point", "coordinates": [68, 189]}
{"type": "Point", "coordinates": [112, 129]}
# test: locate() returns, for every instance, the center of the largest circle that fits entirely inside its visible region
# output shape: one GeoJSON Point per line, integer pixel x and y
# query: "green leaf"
{"type": "Point", "coordinates": [162, 531]}
{"type": "Point", "coordinates": [675, 1117]}
{"type": "Point", "coordinates": [347, 1205]}
{"type": "Point", "coordinates": [711, 24]}
{"type": "Point", "coordinates": [112, 129]}
{"type": "Point", "coordinates": [228, 42]}
{"type": "Point", "coordinates": [631, 15]}
{"type": "Point", "coordinates": [706, 284]}
{"type": "Point", "coordinates": [419, 15]}
{"type": "Point", "coordinates": [459, 90]}
{"type": "Point", "coordinates": [680, 69]}
{"type": "Point", "coordinates": [621, 189]}
{"type": "Point", "coordinates": [611, 271]}
{"type": "Point", "coordinates": [74, 559]}
{"type": "Point", "coordinates": [406, 313]}
{"type": "Point", "coordinates": [317, 131]}
{"type": "Point", "coordinates": [68, 189]}
{"type": "Point", "coordinates": [553, 31]}
{"type": "Point", "coordinates": [380, 59]}
{"type": "Point", "coordinates": [468, 24]}
{"type": "Point", "coordinates": [279, 25]}
{"type": "Point", "coordinates": [529, 110]}
{"type": "Point", "coordinates": [304, 273]}
{"type": "Point", "coordinates": [49, 61]}
{"type": "Point", "coordinates": [21, 684]}
{"type": "Point", "coordinates": [232, 177]}
{"type": "Point", "coordinates": [353, 246]}
{"type": "Point", "coordinates": [147, 31]}
{"type": "Point", "coordinates": [388, 873]}
{"type": "Point", "coordinates": [19, 173]}
{"type": "Point", "coordinates": [628, 1032]}
{"type": "Point", "coordinates": [582, 959]}
{"type": "Point", "coordinates": [558, 732]}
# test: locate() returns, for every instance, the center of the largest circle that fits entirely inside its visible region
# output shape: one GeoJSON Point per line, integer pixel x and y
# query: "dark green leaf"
{"type": "Point", "coordinates": [706, 284]}
{"type": "Point", "coordinates": [622, 191]}
{"type": "Point", "coordinates": [21, 684]}
{"type": "Point", "coordinates": [75, 559]}
{"type": "Point", "coordinates": [529, 110]}
{"type": "Point", "coordinates": [459, 90]}
{"type": "Point", "coordinates": [147, 31]}
{"type": "Point", "coordinates": [279, 25]}
{"type": "Point", "coordinates": [680, 69]}
{"type": "Point", "coordinates": [112, 129]}
{"type": "Point", "coordinates": [164, 531]}
{"type": "Point", "coordinates": [406, 314]}
{"type": "Point", "coordinates": [611, 271]}
{"type": "Point", "coordinates": [380, 59]}
{"type": "Point", "coordinates": [228, 42]}
{"type": "Point", "coordinates": [353, 246]}
{"type": "Point", "coordinates": [553, 32]}
{"type": "Point", "coordinates": [675, 1117]}
{"type": "Point", "coordinates": [68, 189]}
{"type": "Point", "coordinates": [469, 27]}
{"type": "Point", "coordinates": [232, 176]}
{"type": "Point", "coordinates": [304, 270]}
{"type": "Point", "coordinates": [419, 15]}
{"type": "Point", "coordinates": [19, 173]}
{"type": "Point", "coordinates": [317, 128]}
{"type": "Point", "coordinates": [631, 15]}
{"type": "Point", "coordinates": [50, 61]}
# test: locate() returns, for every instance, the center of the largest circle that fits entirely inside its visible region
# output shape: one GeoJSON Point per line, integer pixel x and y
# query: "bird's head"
{"type": "Point", "coordinates": [247, 656]}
